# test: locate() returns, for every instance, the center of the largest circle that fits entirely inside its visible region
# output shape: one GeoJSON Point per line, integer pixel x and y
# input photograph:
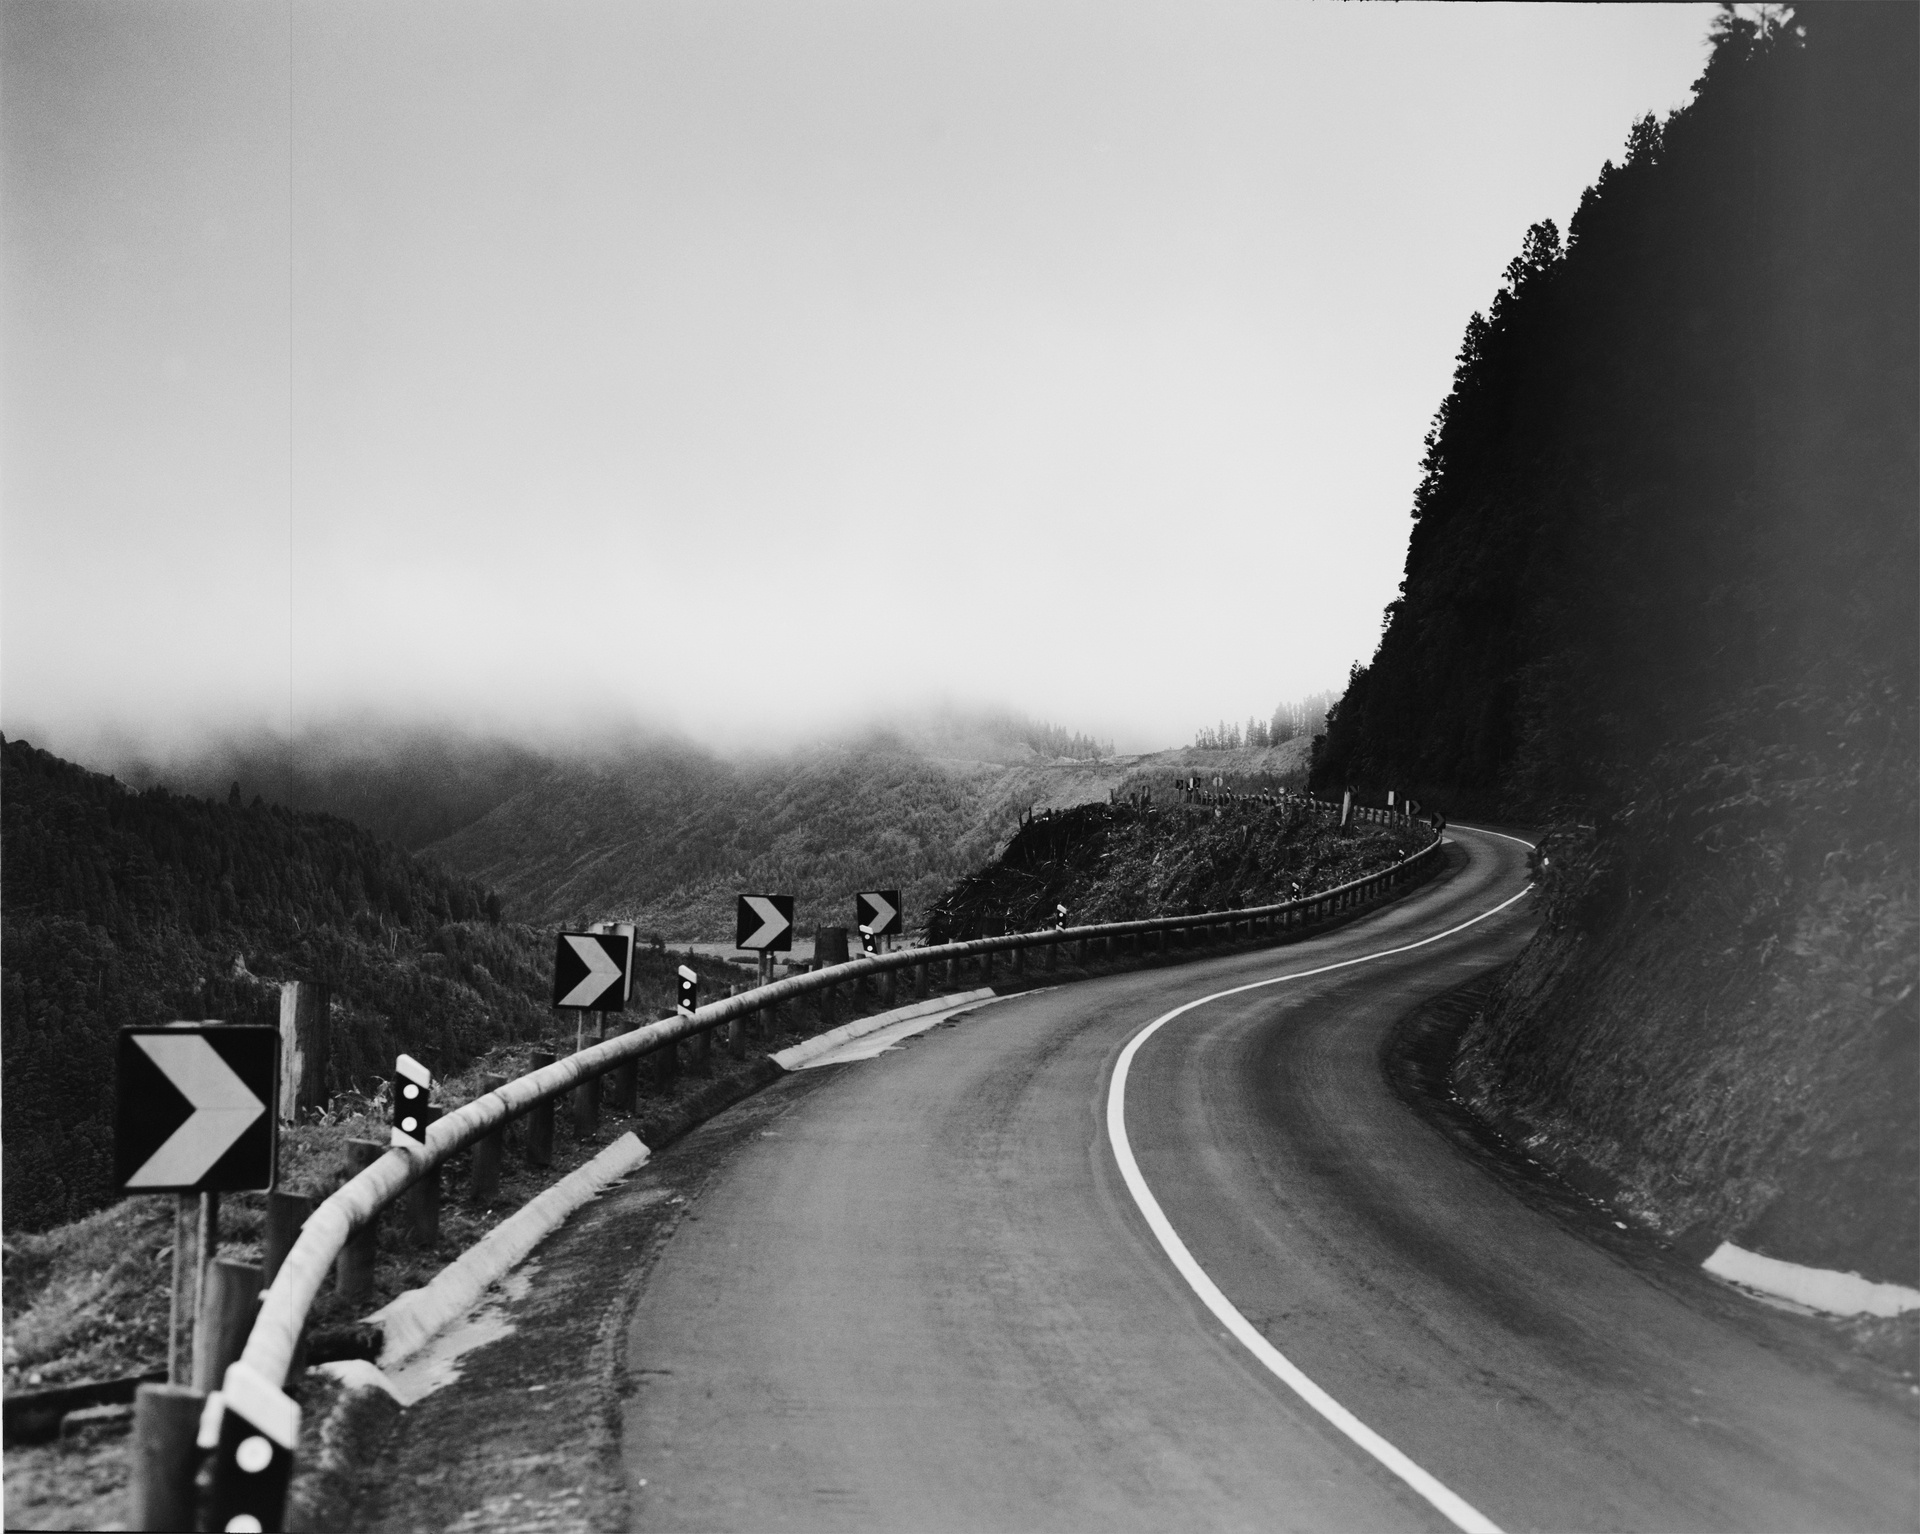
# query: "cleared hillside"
{"type": "Point", "coordinates": [670, 839]}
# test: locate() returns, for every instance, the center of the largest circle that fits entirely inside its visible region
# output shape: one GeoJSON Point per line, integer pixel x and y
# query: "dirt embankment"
{"type": "Point", "coordinates": [1125, 862]}
{"type": "Point", "coordinates": [1720, 1011]}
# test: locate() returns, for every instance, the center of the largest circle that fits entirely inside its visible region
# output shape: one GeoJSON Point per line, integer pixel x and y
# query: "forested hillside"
{"type": "Point", "coordinates": [1660, 594]}
{"type": "Point", "coordinates": [121, 908]}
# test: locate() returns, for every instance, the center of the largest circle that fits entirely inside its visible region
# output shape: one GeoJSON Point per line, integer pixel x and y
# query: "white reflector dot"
{"type": "Point", "coordinates": [253, 1456]}
{"type": "Point", "coordinates": [243, 1523]}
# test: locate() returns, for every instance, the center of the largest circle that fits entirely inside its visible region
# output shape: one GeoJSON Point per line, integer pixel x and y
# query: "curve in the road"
{"type": "Point", "coordinates": [920, 1295]}
{"type": "Point", "coordinates": [1460, 1512]}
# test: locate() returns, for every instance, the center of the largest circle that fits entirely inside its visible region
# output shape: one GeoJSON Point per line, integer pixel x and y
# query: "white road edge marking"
{"type": "Point", "coordinates": [1451, 1505]}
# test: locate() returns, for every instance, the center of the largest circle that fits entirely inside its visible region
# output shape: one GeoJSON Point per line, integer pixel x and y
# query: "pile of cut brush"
{"type": "Point", "coordinates": [1130, 860]}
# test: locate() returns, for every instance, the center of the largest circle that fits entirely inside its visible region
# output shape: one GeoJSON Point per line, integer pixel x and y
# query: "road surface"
{"type": "Point", "coordinates": [924, 1296]}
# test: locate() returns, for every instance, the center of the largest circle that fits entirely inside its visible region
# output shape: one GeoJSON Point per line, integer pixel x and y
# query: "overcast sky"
{"type": "Point", "coordinates": [746, 367]}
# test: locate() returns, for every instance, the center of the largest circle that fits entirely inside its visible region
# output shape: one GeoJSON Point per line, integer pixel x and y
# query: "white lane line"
{"type": "Point", "coordinates": [1454, 1507]}
{"type": "Point", "coordinates": [1501, 834]}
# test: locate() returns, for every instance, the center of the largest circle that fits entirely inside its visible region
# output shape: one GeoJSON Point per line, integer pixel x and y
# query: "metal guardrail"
{"type": "Point", "coordinates": [283, 1309]}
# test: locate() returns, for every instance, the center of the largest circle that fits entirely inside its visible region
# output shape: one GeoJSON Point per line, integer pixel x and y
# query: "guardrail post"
{"type": "Point", "coordinates": [231, 1296]}
{"type": "Point", "coordinates": [1053, 954]}
{"type": "Point", "coordinates": [920, 978]}
{"type": "Point", "coordinates": [736, 1030]}
{"type": "Point", "coordinates": [483, 1177]}
{"type": "Point", "coordinates": [586, 1107]}
{"type": "Point", "coordinates": [166, 1457]}
{"type": "Point", "coordinates": [666, 1066]}
{"type": "Point", "coordinates": [540, 1118]}
{"type": "Point", "coordinates": [986, 967]}
{"type": "Point", "coordinates": [1020, 960]}
{"type": "Point", "coordinates": [827, 1007]}
{"type": "Point", "coordinates": [423, 1210]}
{"type": "Point", "coordinates": [700, 1052]}
{"type": "Point", "coordinates": [353, 1268]}
{"type": "Point", "coordinates": [893, 988]}
{"type": "Point", "coordinates": [625, 1074]}
{"type": "Point", "coordinates": [286, 1213]}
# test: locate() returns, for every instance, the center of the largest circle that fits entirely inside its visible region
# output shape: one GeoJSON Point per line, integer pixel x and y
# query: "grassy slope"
{"type": "Point", "coordinates": [669, 842]}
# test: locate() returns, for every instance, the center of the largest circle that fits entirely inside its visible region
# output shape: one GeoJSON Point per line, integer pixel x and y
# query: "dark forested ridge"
{"type": "Point", "coordinates": [123, 908]}
{"type": "Point", "coordinates": [1660, 598]}
{"type": "Point", "coordinates": [1676, 472]}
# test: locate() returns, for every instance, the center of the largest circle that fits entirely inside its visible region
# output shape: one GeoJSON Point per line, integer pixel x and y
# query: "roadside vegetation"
{"type": "Point", "coordinates": [1660, 601]}
{"type": "Point", "coordinates": [1164, 856]}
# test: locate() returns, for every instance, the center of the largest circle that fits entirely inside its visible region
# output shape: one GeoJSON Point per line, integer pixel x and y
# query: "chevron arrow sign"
{"type": "Point", "coordinates": [195, 1108]}
{"type": "Point", "coordinates": [590, 970]}
{"type": "Point", "coordinates": [764, 923]}
{"type": "Point", "coordinates": [879, 910]}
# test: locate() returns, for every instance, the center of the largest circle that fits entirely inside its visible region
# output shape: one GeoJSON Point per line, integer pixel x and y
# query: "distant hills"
{"type": "Point", "coordinates": [669, 836]}
{"type": "Point", "coordinates": [659, 830]}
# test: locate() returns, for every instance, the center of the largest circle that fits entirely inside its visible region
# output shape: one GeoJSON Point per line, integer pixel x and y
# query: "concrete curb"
{"type": "Point", "coordinates": [1822, 1289]}
{"type": "Point", "coordinates": [411, 1320]}
{"type": "Point", "coordinates": [825, 1043]}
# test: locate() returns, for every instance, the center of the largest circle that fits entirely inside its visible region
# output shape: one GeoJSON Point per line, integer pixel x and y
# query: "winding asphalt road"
{"type": "Point", "coordinates": [927, 1297]}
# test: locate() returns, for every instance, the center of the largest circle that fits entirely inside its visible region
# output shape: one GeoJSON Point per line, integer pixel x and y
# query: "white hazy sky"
{"type": "Point", "coordinates": [746, 366]}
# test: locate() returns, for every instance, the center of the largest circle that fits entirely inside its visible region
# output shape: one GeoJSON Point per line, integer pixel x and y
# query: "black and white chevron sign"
{"type": "Point", "coordinates": [195, 1108]}
{"type": "Point", "coordinates": [590, 970]}
{"type": "Point", "coordinates": [764, 923]}
{"type": "Point", "coordinates": [878, 910]}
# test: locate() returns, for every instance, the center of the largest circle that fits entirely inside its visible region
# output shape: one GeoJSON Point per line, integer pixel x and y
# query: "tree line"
{"type": "Point", "coordinates": [1307, 717]}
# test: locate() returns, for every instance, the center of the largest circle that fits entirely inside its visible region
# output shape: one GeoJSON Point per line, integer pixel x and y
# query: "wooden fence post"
{"type": "Point", "coordinates": [305, 1048]}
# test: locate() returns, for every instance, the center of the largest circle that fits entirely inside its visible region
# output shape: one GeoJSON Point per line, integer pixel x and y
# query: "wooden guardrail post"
{"type": "Point", "coordinates": [353, 1268]}
{"type": "Point", "coordinates": [700, 1052]}
{"type": "Point", "coordinates": [228, 1301]}
{"type": "Point", "coordinates": [540, 1118]}
{"type": "Point", "coordinates": [286, 1213]}
{"type": "Point", "coordinates": [986, 967]}
{"type": "Point", "coordinates": [166, 1456]}
{"type": "Point", "coordinates": [586, 1107]}
{"type": "Point", "coordinates": [423, 1210]}
{"type": "Point", "coordinates": [920, 979]}
{"type": "Point", "coordinates": [736, 1030]}
{"type": "Point", "coordinates": [483, 1178]}
{"type": "Point", "coordinates": [666, 1066]}
{"type": "Point", "coordinates": [625, 1074]}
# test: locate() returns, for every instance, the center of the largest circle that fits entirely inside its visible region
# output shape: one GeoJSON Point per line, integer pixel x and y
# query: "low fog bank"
{"type": "Point", "coordinates": [417, 782]}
